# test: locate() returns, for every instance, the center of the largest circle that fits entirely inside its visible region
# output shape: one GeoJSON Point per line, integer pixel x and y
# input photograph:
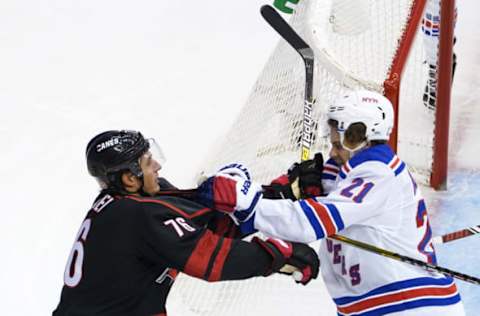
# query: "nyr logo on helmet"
{"type": "Point", "coordinates": [369, 100]}
{"type": "Point", "coordinates": [107, 144]}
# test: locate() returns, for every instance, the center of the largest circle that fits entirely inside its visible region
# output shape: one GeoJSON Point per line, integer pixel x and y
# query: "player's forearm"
{"type": "Point", "coordinates": [216, 258]}
{"type": "Point", "coordinates": [246, 260]}
{"type": "Point", "coordinates": [283, 219]}
{"type": "Point", "coordinates": [264, 257]}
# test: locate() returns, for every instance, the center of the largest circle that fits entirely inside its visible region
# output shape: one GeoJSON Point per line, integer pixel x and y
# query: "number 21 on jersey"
{"type": "Point", "coordinates": [357, 190]}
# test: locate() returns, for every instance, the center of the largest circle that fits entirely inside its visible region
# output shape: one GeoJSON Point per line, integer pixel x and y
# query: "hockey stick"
{"type": "Point", "coordinates": [386, 253]}
{"type": "Point", "coordinates": [437, 240]}
{"type": "Point", "coordinates": [459, 234]}
{"type": "Point", "coordinates": [306, 52]}
{"type": "Point", "coordinates": [409, 260]}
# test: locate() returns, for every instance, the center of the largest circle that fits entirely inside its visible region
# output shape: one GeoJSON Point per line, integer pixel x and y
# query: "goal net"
{"type": "Point", "coordinates": [372, 44]}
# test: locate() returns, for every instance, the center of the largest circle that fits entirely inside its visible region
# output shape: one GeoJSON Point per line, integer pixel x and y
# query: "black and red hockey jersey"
{"type": "Point", "coordinates": [129, 248]}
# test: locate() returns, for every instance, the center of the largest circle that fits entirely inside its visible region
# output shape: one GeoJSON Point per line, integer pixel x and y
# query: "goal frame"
{"type": "Point", "coordinates": [438, 178]}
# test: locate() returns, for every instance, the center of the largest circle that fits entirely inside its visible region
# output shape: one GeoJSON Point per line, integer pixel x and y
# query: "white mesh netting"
{"type": "Point", "coordinates": [354, 43]}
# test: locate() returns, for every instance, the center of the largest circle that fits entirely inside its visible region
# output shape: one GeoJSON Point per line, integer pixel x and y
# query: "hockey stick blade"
{"type": "Point", "coordinates": [470, 231]}
{"type": "Point", "coordinates": [286, 31]}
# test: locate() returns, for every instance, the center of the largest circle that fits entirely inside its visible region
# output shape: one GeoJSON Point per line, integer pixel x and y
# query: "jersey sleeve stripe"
{"type": "Point", "coordinates": [197, 263]}
{"type": "Point", "coordinates": [399, 169]}
{"type": "Point", "coordinates": [399, 296]}
{"type": "Point", "coordinates": [219, 262]}
{"type": "Point", "coordinates": [396, 165]}
{"type": "Point", "coordinates": [346, 167]}
{"type": "Point", "coordinates": [330, 172]}
{"type": "Point", "coordinates": [312, 218]}
{"type": "Point", "coordinates": [331, 162]}
{"type": "Point", "coordinates": [330, 168]}
{"type": "Point", "coordinates": [394, 162]}
{"type": "Point", "coordinates": [324, 216]}
{"type": "Point", "coordinates": [406, 305]}
{"type": "Point", "coordinates": [402, 296]}
{"type": "Point", "coordinates": [344, 170]}
{"type": "Point", "coordinates": [395, 286]}
{"type": "Point", "coordinates": [336, 216]}
{"type": "Point", "coordinates": [326, 176]}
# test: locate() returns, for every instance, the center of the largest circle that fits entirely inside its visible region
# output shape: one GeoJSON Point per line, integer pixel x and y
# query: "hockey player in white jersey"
{"type": "Point", "coordinates": [375, 200]}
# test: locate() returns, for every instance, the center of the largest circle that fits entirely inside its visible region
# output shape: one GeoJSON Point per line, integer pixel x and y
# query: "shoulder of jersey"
{"type": "Point", "coordinates": [184, 207]}
{"type": "Point", "coordinates": [385, 160]}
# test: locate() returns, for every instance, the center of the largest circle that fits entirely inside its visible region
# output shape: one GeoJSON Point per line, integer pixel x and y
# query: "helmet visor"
{"type": "Point", "coordinates": [157, 152]}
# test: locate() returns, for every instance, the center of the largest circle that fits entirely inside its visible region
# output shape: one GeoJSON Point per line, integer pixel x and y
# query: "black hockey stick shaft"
{"type": "Point", "coordinates": [306, 52]}
{"type": "Point", "coordinates": [409, 260]}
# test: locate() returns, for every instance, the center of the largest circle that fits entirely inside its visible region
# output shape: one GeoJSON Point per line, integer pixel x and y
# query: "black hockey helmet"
{"type": "Point", "coordinates": [113, 152]}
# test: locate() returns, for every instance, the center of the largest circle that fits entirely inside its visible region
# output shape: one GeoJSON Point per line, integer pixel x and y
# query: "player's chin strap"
{"type": "Point", "coordinates": [352, 151]}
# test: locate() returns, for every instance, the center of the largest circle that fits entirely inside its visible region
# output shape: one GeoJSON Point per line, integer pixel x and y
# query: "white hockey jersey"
{"type": "Point", "coordinates": [375, 200]}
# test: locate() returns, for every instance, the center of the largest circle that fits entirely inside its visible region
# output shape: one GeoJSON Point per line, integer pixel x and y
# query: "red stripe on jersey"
{"type": "Point", "coordinates": [197, 263]}
{"type": "Point", "coordinates": [170, 206]}
{"type": "Point", "coordinates": [398, 297]}
{"type": "Point", "coordinates": [161, 314]}
{"type": "Point", "coordinates": [324, 216]}
{"type": "Point", "coordinates": [395, 163]}
{"type": "Point", "coordinates": [219, 262]}
{"type": "Point", "coordinates": [331, 169]}
{"type": "Point", "coordinates": [173, 273]}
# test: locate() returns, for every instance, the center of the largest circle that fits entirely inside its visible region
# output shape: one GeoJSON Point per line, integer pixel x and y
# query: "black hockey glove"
{"type": "Point", "coordinates": [289, 257]}
{"type": "Point", "coordinates": [303, 180]}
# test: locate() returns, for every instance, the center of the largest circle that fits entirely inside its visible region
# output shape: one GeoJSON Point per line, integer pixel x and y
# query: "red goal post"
{"type": "Point", "coordinates": [438, 178]}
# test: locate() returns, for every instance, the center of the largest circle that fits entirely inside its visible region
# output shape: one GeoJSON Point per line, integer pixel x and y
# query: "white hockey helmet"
{"type": "Point", "coordinates": [367, 107]}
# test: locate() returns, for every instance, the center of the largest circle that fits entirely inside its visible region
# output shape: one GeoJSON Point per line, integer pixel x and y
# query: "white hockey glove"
{"type": "Point", "coordinates": [231, 191]}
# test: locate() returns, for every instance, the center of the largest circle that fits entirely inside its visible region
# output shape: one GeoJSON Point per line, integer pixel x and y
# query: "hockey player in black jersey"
{"type": "Point", "coordinates": [133, 240]}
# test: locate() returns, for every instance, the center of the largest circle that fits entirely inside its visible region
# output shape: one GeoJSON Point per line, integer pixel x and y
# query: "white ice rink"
{"type": "Point", "coordinates": [179, 71]}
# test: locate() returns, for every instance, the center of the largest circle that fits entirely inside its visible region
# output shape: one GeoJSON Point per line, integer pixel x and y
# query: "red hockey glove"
{"type": "Point", "coordinates": [297, 255]}
{"type": "Point", "coordinates": [303, 180]}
